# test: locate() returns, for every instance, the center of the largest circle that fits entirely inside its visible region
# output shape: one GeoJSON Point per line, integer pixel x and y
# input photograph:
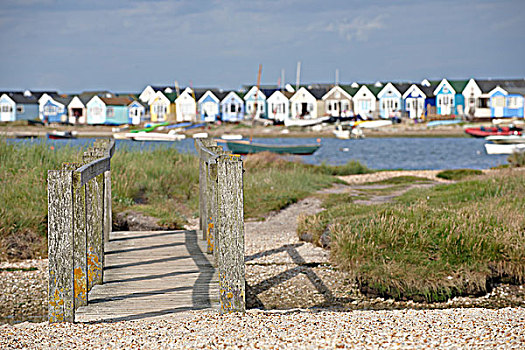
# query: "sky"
{"type": "Point", "coordinates": [125, 45]}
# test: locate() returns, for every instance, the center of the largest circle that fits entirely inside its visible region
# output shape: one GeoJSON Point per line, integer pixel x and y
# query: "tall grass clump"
{"type": "Point", "coordinates": [23, 194]}
{"type": "Point", "coordinates": [432, 244]}
{"type": "Point", "coordinates": [517, 159]}
{"type": "Point", "coordinates": [272, 183]}
{"type": "Point", "coordinates": [458, 174]}
{"type": "Point", "coordinates": [162, 183]}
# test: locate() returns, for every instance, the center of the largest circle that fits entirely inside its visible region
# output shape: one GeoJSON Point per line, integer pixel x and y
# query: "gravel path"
{"type": "Point", "coordinates": [285, 273]}
{"type": "Point", "coordinates": [438, 329]}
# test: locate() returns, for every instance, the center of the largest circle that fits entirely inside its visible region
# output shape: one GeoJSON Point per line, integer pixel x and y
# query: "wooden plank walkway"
{"type": "Point", "coordinates": [152, 274]}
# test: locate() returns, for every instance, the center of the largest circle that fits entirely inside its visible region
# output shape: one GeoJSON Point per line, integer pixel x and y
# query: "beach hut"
{"type": "Point", "coordinates": [449, 98]}
{"type": "Point", "coordinates": [209, 106]}
{"type": "Point", "coordinates": [18, 106]}
{"type": "Point", "coordinates": [303, 105]}
{"type": "Point", "coordinates": [136, 112]}
{"type": "Point", "coordinates": [414, 101]}
{"type": "Point", "coordinates": [505, 105]}
{"type": "Point", "coordinates": [116, 110]}
{"type": "Point", "coordinates": [162, 107]}
{"type": "Point", "coordinates": [186, 107]}
{"type": "Point", "coordinates": [232, 107]}
{"type": "Point", "coordinates": [365, 101]}
{"type": "Point", "coordinates": [7, 108]}
{"type": "Point", "coordinates": [255, 103]}
{"type": "Point", "coordinates": [391, 100]}
{"type": "Point", "coordinates": [96, 111]}
{"type": "Point", "coordinates": [337, 102]}
{"type": "Point", "coordinates": [278, 105]}
{"type": "Point", "coordinates": [55, 111]}
{"type": "Point", "coordinates": [77, 111]}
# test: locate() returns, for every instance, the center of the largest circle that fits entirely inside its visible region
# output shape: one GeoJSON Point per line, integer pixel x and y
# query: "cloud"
{"type": "Point", "coordinates": [359, 28]}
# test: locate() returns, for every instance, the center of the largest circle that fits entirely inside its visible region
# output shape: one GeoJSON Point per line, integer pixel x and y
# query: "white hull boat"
{"type": "Point", "coordinates": [346, 134]}
{"type": "Point", "coordinates": [157, 136]}
{"type": "Point", "coordinates": [494, 148]}
{"type": "Point", "coordinates": [506, 139]}
{"type": "Point", "coordinates": [231, 137]}
{"type": "Point", "coordinates": [371, 124]}
{"type": "Point", "coordinates": [200, 135]}
{"type": "Point", "coordinates": [304, 122]}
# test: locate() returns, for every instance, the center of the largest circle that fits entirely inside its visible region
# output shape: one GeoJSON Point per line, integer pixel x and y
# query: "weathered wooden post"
{"type": "Point", "coordinates": [230, 233]}
{"type": "Point", "coordinates": [211, 202]}
{"type": "Point", "coordinates": [94, 222]}
{"type": "Point", "coordinates": [203, 170]}
{"type": "Point", "coordinates": [104, 146]}
{"type": "Point", "coordinates": [79, 237]}
{"type": "Point", "coordinates": [75, 231]}
{"type": "Point", "coordinates": [60, 246]}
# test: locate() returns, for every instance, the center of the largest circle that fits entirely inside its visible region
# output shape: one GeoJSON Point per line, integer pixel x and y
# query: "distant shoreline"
{"type": "Point", "coordinates": [88, 131]}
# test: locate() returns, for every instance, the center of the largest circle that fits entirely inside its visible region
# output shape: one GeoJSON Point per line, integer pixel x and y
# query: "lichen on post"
{"type": "Point", "coordinates": [95, 223]}
{"type": "Point", "coordinates": [79, 237]}
{"type": "Point", "coordinates": [60, 246]}
{"type": "Point", "coordinates": [230, 233]}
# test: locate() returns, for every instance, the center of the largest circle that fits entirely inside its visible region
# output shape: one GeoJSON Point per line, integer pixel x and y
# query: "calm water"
{"type": "Point", "coordinates": [376, 153]}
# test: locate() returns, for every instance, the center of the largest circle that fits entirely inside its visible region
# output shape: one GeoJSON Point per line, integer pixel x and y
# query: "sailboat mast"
{"type": "Point", "coordinates": [282, 80]}
{"type": "Point", "coordinates": [298, 75]}
{"type": "Point", "coordinates": [255, 103]}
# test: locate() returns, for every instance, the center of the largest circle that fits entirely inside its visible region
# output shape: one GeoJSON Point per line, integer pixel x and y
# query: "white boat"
{"type": "Point", "coordinates": [512, 121]}
{"type": "Point", "coordinates": [506, 139]}
{"type": "Point", "coordinates": [494, 148]}
{"type": "Point", "coordinates": [231, 137]}
{"type": "Point", "coordinates": [304, 122]}
{"type": "Point", "coordinates": [370, 124]}
{"type": "Point", "coordinates": [200, 135]}
{"type": "Point", "coordinates": [348, 133]}
{"type": "Point", "coordinates": [157, 136]}
{"type": "Point", "coordinates": [123, 135]}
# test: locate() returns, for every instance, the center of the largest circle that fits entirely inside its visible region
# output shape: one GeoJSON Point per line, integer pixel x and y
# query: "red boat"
{"type": "Point", "coordinates": [493, 131]}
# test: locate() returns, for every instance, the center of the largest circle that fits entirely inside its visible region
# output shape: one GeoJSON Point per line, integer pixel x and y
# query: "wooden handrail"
{"type": "Point", "coordinates": [79, 222]}
{"type": "Point", "coordinates": [221, 210]}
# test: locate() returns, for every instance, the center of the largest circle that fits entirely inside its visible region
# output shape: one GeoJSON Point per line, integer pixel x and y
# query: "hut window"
{"type": "Point", "coordinates": [514, 102]}
{"type": "Point", "coordinates": [19, 109]}
{"type": "Point", "coordinates": [6, 108]}
{"type": "Point", "coordinates": [110, 112]}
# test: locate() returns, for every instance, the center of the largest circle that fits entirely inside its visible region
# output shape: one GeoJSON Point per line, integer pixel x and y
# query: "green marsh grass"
{"type": "Point", "coordinates": [161, 183]}
{"type": "Point", "coordinates": [23, 194]}
{"type": "Point", "coordinates": [432, 244]}
{"type": "Point", "coordinates": [458, 174]}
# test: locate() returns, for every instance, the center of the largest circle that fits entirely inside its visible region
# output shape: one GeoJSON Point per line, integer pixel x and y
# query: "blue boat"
{"type": "Point", "coordinates": [178, 125]}
{"type": "Point", "coordinates": [444, 122]}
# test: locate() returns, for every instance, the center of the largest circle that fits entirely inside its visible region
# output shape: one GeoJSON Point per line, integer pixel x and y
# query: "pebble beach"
{"type": "Point", "coordinates": [298, 329]}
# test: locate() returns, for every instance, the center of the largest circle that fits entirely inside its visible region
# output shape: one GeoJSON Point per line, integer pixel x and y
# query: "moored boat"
{"type": "Point", "coordinates": [157, 136]}
{"type": "Point", "coordinates": [443, 122]}
{"type": "Point", "coordinates": [245, 147]}
{"type": "Point", "coordinates": [345, 132]}
{"type": "Point", "coordinates": [304, 122]}
{"type": "Point", "coordinates": [231, 137]}
{"type": "Point", "coordinates": [493, 131]}
{"type": "Point", "coordinates": [370, 124]}
{"type": "Point", "coordinates": [58, 135]}
{"type": "Point", "coordinates": [494, 148]}
{"type": "Point", "coordinates": [506, 139]}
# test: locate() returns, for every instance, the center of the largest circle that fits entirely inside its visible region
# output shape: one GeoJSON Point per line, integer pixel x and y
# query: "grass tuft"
{"type": "Point", "coordinates": [517, 159]}
{"type": "Point", "coordinates": [458, 174]}
{"type": "Point", "coordinates": [432, 244]}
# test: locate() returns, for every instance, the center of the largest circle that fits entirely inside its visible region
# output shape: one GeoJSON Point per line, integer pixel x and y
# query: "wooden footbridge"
{"type": "Point", "coordinates": [99, 275]}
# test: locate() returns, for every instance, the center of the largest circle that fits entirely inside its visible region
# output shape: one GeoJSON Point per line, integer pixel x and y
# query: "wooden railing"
{"type": "Point", "coordinates": [79, 222]}
{"type": "Point", "coordinates": [221, 209]}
